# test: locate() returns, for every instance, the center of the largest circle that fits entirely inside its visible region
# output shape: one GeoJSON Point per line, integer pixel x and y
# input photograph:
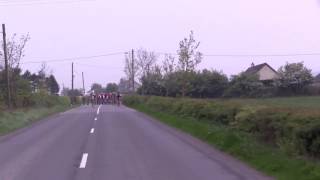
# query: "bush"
{"type": "Point", "coordinates": [308, 139]}
{"type": "Point", "coordinates": [293, 130]}
{"type": "Point", "coordinates": [45, 100]}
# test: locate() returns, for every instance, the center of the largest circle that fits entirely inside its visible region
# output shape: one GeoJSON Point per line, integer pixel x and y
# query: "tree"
{"type": "Point", "coordinates": [209, 84]}
{"type": "Point", "coordinates": [184, 81]}
{"type": "Point", "coordinates": [111, 87]}
{"type": "Point", "coordinates": [124, 86]}
{"type": "Point", "coordinates": [42, 81]}
{"type": "Point", "coordinates": [245, 85]}
{"type": "Point", "coordinates": [97, 88]}
{"type": "Point", "coordinates": [15, 49]}
{"type": "Point", "coordinates": [43, 71]}
{"type": "Point", "coordinates": [152, 83]}
{"type": "Point", "coordinates": [33, 79]}
{"type": "Point", "coordinates": [53, 85]}
{"type": "Point", "coordinates": [169, 67]}
{"type": "Point", "coordinates": [145, 61]}
{"type": "Point", "coordinates": [168, 64]}
{"type": "Point", "coordinates": [189, 56]}
{"type": "Point", "coordinates": [15, 52]}
{"type": "Point", "coordinates": [294, 77]}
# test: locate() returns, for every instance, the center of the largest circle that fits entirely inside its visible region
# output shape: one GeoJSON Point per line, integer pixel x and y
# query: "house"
{"type": "Point", "coordinates": [316, 81]}
{"type": "Point", "coordinates": [264, 71]}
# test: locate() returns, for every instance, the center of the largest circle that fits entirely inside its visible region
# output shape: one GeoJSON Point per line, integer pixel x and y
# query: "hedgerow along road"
{"type": "Point", "coordinates": [116, 143]}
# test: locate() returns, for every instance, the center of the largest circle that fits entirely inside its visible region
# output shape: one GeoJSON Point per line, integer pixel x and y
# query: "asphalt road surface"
{"type": "Point", "coordinates": [112, 143]}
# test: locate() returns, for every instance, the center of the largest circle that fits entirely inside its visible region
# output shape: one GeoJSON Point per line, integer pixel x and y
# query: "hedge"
{"type": "Point", "coordinates": [295, 131]}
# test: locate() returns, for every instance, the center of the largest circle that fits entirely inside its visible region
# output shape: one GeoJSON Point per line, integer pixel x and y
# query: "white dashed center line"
{"type": "Point", "coordinates": [98, 111]}
{"type": "Point", "coordinates": [92, 131]}
{"type": "Point", "coordinates": [84, 161]}
{"type": "Point", "coordinates": [95, 119]}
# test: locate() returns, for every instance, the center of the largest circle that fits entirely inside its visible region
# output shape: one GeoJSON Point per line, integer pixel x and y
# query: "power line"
{"type": "Point", "coordinates": [73, 58]}
{"type": "Point", "coordinates": [99, 66]}
{"type": "Point", "coordinates": [39, 2]}
{"type": "Point", "coordinates": [19, 1]}
{"type": "Point", "coordinates": [262, 55]}
{"type": "Point", "coordinates": [174, 54]}
{"type": "Point", "coordinates": [5, 54]}
{"type": "Point", "coordinates": [249, 55]}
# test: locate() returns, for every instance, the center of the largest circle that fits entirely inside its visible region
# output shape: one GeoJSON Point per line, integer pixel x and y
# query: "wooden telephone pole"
{"type": "Point", "coordinates": [6, 64]}
{"type": "Point", "coordinates": [72, 92]}
{"type": "Point", "coordinates": [84, 90]}
{"type": "Point", "coordinates": [72, 77]}
{"type": "Point", "coordinates": [133, 71]}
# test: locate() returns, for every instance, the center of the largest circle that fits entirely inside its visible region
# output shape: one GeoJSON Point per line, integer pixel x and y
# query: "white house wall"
{"type": "Point", "coordinates": [267, 74]}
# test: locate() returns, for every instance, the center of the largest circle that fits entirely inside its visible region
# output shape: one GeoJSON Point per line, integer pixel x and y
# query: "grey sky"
{"type": "Point", "coordinates": [62, 30]}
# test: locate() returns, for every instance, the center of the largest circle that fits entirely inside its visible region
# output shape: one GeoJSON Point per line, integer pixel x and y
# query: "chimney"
{"type": "Point", "coordinates": [252, 64]}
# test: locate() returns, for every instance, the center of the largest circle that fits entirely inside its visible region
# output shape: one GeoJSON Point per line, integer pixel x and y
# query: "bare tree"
{"type": "Point", "coordinates": [189, 57]}
{"type": "Point", "coordinates": [145, 61]}
{"type": "Point", "coordinates": [43, 74]}
{"type": "Point", "coordinates": [16, 50]}
{"type": "Point", "coordinates": [44, 70]}
{"type": "Point", "coordinates": [168, 64]}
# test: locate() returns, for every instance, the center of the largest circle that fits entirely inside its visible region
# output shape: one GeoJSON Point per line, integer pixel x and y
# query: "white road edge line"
{"type": "Point", "coordinates": [84, 161]}
{"type": "Point", "coordinates": [92, 131]}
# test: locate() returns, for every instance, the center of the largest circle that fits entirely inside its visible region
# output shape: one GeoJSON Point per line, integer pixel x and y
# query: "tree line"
{"type": "Point", "coordinates": [179, 77]}
{"type": "Point", "coordinates": [95, 88]}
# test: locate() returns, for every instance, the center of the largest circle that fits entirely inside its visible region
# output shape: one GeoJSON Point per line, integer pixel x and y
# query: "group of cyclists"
{"type": "Point", "coordinates": [102, 98]}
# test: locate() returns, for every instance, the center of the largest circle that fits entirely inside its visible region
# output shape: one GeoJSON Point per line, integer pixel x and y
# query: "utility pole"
{"type": "Point", "coordinates": [132, 66]}
{"type": "Point", "coordinates": [84, 91]}
{"type": "Point", "coordinates": [72, 77]}
{"type": "Point", "coordinates": [72, 92]}
{"type": "Point", "coordinates": [6, 64]}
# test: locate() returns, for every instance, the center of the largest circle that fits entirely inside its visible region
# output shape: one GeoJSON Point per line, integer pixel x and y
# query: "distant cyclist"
{"type": "Point", "coordinates": [118, 98]}
{"type": "Point", "coordinates": [92, 99]}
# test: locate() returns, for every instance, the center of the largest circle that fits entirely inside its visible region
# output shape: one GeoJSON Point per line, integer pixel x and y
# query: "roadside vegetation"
{"type": "Point", "coordinates": [24, 87]}
{"type": "Point", "coordinates": [274, 124]}
{"type": "Point", "coordinates": [43, 107]}
{"type": "Point", "coordinates": [33, 95]}
{"type": "Point", "coordinates": [279, 136]}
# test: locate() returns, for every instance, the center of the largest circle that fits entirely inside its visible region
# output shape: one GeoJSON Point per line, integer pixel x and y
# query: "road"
{"type": "Point", "coordinates": [112, 143]}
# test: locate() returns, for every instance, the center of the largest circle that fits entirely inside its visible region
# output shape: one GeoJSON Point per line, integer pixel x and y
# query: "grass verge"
{"type": "Point", "coordinates": [11, 121]}
{"type": "Point", "coordinates": [243, 146]}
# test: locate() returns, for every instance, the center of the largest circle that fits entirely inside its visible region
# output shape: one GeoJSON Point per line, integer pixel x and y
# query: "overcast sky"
{"type": "Point", "coordinates": [88, 28]}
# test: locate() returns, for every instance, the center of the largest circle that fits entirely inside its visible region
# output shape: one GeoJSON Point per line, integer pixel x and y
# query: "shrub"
{"type": "Point", "coordinates": [308, 139]}
{"type": "Point", "coordinates": [45, 100]}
